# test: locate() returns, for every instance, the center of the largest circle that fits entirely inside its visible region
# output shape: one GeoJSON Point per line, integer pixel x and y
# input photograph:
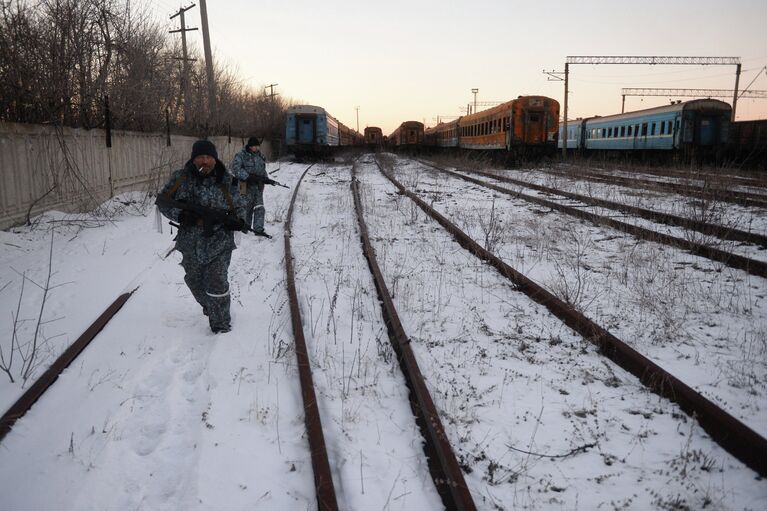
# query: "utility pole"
{"type": "Point", "coordinates": [271, 94]}
{"type": "Point", "coordinates": [475, 98]}
{"type": "Point", "coordinates": [357, 108]}
{"type": "Point", "coordinates": [212, 110]}
{"type": "Point", "coordinates": [564, 119]}
{"type": "Point", "coordinates": [735, 95]}
{"type": "Point", "coordinates": [557, 76]}
{"type": "Point", "coordinates": [185, 59]}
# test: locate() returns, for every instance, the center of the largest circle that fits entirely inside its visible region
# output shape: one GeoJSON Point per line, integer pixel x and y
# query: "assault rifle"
{"type": "Point", "coordinates": [256, 179]}
{"type": "Point", "coordinates": [209, 216]}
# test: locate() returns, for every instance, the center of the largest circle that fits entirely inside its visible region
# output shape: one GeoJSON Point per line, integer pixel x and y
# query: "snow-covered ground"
{"type": "Point", "coordinates": [726, 214]}
{"type": "Point", "coordinates": [158, 413]}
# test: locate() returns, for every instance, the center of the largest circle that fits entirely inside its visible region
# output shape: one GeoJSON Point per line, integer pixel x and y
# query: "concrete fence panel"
{"type": "Point", "coordinates": [49, 167]}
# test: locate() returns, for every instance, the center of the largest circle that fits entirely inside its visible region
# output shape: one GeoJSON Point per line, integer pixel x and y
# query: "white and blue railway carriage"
{"type": "Point", "coordinates": [574, 134]}
{"type": "Point", "coordinates": [700, 123]}
{"type": "Point", "coordinates": [310, 126]}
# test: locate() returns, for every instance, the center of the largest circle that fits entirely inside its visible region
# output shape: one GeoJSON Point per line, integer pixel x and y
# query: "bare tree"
{"type": "Point", "coordinates": [60, 58]}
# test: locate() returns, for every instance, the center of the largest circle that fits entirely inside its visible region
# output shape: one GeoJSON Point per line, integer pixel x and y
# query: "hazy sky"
{"type": "Point", "coordinates": [404, 60]}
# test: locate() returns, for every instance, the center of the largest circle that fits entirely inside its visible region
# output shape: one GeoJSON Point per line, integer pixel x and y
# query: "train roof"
{"type": "Point", "coordinates": [442, 126]}
{"type": "Point", "coordinates": [306, 109]}
{"type": "Point", "coordinates": [695, 104]}
{"type": "Point", "coordinates": [502, 107]}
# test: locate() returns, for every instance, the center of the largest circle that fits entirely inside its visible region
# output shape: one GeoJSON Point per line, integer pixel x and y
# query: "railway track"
{"type": "Point", "coordinates": [445, 471]}
{"type": "Point", "coordinates": [752, 266]}
{"type": "Point", "coordinates": [732, 434]}
{"type": "Point", "coordinates": [49, 377]}
{"type": "Point", "coordinates": [700, 192]}
{"type": "Point", "coordinates": [752, 179]}
{"type": "Point", "coordinates": [709, 229]}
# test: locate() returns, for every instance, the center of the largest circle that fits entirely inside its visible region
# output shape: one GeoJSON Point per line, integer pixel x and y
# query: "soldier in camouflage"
{"type": "Point", "coordinates": [204, 181]}
{"type": "Point", "coordinates": [249, 165]}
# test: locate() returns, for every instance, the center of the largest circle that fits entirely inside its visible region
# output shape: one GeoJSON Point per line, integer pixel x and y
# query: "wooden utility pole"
{"type": "Point", "coordinates": [184, 59]}
{"type": "Point", "coordinates": [271, 87]}
{"type": "Point", "coordinates": [212, 110]}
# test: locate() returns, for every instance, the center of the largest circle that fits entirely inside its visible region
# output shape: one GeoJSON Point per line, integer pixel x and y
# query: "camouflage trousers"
{"type": "Point", "coordinates": [209, 284]}
{"type": "Point", "coordinates": [255, 212]}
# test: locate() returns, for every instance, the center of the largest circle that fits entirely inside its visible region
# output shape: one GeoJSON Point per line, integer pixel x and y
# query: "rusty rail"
{"type": "Point", "coordinates": [445, 471]}
{"type": "Point", "coordinates": [323, 478]}
{"type": "Point", "coordinates": [734, 436]}
{"type": "Point", "coordinates": [30, 397]}
{"type": "Point", "coordinates": [752, 266]}
{"type": "Point", "coordinates": [731, 196]}
{"type": "Point", "coordinates": [722, 232]}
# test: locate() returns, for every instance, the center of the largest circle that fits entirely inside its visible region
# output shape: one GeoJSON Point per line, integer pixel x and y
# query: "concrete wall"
{"type": "Point", "coordinates": [72, 170]}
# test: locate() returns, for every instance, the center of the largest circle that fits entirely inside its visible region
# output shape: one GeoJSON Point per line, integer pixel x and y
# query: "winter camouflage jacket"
{"type": "Point", "coordinates": [246, 164]}
{"type": "Point", "coordinates": [206, 191]}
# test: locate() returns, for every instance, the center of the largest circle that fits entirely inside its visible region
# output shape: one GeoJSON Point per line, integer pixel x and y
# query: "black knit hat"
{"type": "Point", "coordinates": [205, 147]}
{"type": "Point", "coordinates": [253, 141]}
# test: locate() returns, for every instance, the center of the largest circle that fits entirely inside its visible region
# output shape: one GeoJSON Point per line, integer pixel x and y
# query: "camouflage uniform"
{"type": "Point", "coordinates": [244, 165]}
{"type": "Point", "coordinates": [205, 258]}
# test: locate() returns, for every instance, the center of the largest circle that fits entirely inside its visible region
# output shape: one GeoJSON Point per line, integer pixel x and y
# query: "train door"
{"type": "Point", "coordinates": [706, 130]}
{"type": "Point", "coordinates": [306, 130]}
{"type": "Point", "coordinates": [535, 132]}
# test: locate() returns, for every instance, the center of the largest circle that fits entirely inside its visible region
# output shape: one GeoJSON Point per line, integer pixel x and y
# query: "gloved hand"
{"type": "Point", "coordinates": [237, 224]}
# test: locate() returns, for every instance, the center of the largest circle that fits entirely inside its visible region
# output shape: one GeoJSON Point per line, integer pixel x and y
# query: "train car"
{"type": "Point", "coordinates": [444, 134]}
{"type": "Point", "coordinates": [311, 131]}
{"type": "Point", "coordinates": [409, 133]}
{"type": "Point", "coordinates": [528, 122]}
{"type": "Point", "coordinates": [700, 124]}
{"type": "Point", "coordinates": [522, 125]}
{"type": "Point", "coordinates": [748, 144]}
{"type": "Point", "coordinates": [373, 136]}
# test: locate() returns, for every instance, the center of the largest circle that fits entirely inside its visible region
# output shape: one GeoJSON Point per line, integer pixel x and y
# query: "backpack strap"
{"type": "Point", "coordinates": [227, 196]}
{"type": "Point", "coordinates": [173, 189]}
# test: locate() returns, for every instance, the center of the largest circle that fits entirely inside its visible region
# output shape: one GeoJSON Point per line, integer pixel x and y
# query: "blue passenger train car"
{"type": "Point", "coordinates": [312, 131]}
{"type": "Point", "coordinates": [696, 124]}
{"type": "Point", "coordinates": [310, 128]}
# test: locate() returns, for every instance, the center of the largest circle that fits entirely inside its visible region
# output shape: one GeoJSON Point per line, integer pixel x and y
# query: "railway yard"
{"type": "Point", "coordinates": [532, 406]}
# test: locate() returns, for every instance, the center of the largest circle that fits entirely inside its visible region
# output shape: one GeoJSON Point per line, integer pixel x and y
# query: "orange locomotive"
{"type": "Point", "coordinates": [525, 123]}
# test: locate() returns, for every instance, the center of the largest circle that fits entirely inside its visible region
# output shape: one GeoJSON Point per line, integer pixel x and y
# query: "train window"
{"type": "Point", "coordinates": [644, 129]}
{"type": "Point", "coordinates": [603, 133]}
{"type": "Point", "coordinates": [652, 129]}
{"type": "Point", "coordinates": [535, 118]}
{"type": "Point", "coordinates": [623, 131]}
